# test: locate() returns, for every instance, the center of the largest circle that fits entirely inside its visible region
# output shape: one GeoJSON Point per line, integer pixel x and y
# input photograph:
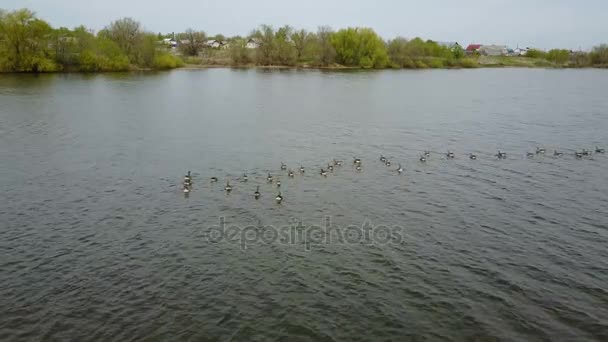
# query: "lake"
{"type": "Point", "coordinates": [98, 241]}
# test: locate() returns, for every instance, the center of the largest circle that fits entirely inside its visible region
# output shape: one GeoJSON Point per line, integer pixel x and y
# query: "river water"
{"type": "Point", "coordinates": [98, 242]}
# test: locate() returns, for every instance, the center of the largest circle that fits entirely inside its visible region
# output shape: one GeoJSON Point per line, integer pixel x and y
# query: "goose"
{"type": "Point", "coordinates": [472, 156]}
{"type": "Point", "coordinates": [186, 190]}
{"type": "Point", "coordinates": [358, 167]}
{"type": "Point", "coordinates": [188, 177]}
{"type": "Point", "coordinates": [283, 167]}
{"type": "Point", "coordinates": [501, 155]}
{"type": "Point", "coordinates": [228, 187]}
{"type": "Point", "coordinates": [586, 152]}
{"type": "Point", "coordinates": [213, 179]}
{"type": "Point", "coordinates": [279, 198]}
{"type": "Point", "coordinates": [578, 155]}
{"type": "Point", "coordinates": [269, 177]}
{"type": "Point", "coordinates": [540, 150]}
{"type": "Point", "coordinates": [256, 194]}
{"type": "Point", "coordinates": [337, 162]}
{"type": "Point", "coordinates": [387, 163]}
{"type": "Point", "coordinates": [450, 155]}
{"type": "Point", "coordinates": [290, 173]}
{"type": "Point", "coordinates": [529, 154]}
{"type": "Point", "coordinates": [278, 183]}
{"type": "Point", "coordinates": [357, 160]}
{"type": "Point", "coordinates": [557, 153]}
{"type": "Point", "coordinates": [382, 159]}
{"type": "Point", "coordinates": [427, 153]}
{"type": "Point", "coordinates": [245, 178]}
{"type": "Point", "coordinates": [400, 169]}
{"type": "Point", "coordinates": [330, 167]}
{"type": "Point", "coordinates": [599, 150]}
{"type": "Point", "coordinates": [323, 173]}
{"type": "Point", "coordinates": [301, 169]}
{"type": "Point", "coordinates": [422, 159]}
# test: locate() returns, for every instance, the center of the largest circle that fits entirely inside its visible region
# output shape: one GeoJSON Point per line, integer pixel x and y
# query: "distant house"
{"type": "Point", "coordinates": [216, 44]}
{"type": "Point", "coordinates": [252, 43]}
{"type": "Point", "coordinates": [450, 45]}
{"type": "Point", "coordinates": [494, 50]}
{"type": "Point", "coordinates": [473, 48]}
{"type": "Point", "coordinates": [170, 42]}
{"type": "Point", "coordinates": [520, 51]}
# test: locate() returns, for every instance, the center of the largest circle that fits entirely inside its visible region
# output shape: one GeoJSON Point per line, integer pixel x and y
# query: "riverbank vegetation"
{"type": "Point", "coordinates": [29, 44]}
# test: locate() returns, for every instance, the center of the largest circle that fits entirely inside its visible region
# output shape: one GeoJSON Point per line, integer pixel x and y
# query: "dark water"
{"type": "Point", "coordinates": [97, 242]}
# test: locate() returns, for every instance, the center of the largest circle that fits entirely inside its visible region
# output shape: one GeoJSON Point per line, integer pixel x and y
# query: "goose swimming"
{"type": "Point", "coordinates": [283, 167]}
{"type": "Point", "coordinates": [330, 167]}
{"type": "Point", "coordinates": [301, 169]}
{"type": "Point", "coordinates": [387, 163]}
{"type": "Point", "coordinates": [578, 155]}
{"type": "Point", "coordinates": [213, 179]}
{"type": "Point", "coordinates": [358, 167]}
{"type": "Point", "coordinates": [337, 162]}
{"type": "Point", "coordinates": [278, 183]}
{"type": "Point", "coordinates": [450, 155]}
{"type": "Point", "coordinates": [290, 173]}
{"type": "Point", "coordinates": [400, 169]}
{"type": "Point", "coordinates": [357, 160]}
{"type": "Point", "coordinates": [540, 150]}
{"type": "Point", "coordinates": [501, 155]}
{"type": "Point", "coordinates": [245, 178]}
{"type": "Point", "coordinates": [586, 152]}
{"type": "Point", "coordinates": [228, 187]}
{"type": "Point", "coordinates": [599, 150]}
{"type": "Point", "coordinates": [269, 177]}
{"type": "Point", "coordinates": [556, 153]}
{"type": "Point", "coordinates": [256, 194]}
{"type": "Point", "coordinates": [472, 156]}
{"type": "Point", "coordinates": [529, 154]}
{"type": "Point", "coordinates": [323, 172]}
{"type": "Point", "coordinates": [279, 198]}
{"type": "Point", "coordinates": [422, 159]}
{"type": "Point", "coordinates": [382, 159]}
{"type": "Point", "coordinates": [427, 153]}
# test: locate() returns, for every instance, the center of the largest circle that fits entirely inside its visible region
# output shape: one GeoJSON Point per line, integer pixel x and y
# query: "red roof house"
{"type": "Point", "coordinates": [473, 48]}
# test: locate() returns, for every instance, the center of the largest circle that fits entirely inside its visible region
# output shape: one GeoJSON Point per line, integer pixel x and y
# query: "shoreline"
{"type": "Point", "coordinates": [302, 67]}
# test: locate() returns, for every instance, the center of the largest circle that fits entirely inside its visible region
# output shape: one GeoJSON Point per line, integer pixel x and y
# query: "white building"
{"type": "Point", "coordinates": [252, 43]}
{"type": "Point", "coordinates": [494, 50]}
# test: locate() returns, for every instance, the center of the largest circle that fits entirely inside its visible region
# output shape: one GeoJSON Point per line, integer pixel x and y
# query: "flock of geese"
{"type": "Point", "coordinates": [188, 183]}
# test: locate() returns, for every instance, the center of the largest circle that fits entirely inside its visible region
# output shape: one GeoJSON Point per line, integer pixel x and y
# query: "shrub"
{"type": "Point", "coordinates": [468, 63]}
{"type": "Point", "coordinates": [420, 65]}
{"type": "Point", "coordinates": [167, 61]}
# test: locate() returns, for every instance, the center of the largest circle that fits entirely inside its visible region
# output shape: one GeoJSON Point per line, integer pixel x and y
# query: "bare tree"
{"type": "Point", "coordinates": [191, 42]}
{"type": "Point", "coordinates": [127, 33]}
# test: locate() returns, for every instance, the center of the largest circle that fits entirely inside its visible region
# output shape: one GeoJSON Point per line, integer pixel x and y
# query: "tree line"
{"type": "Point", "coordinates": [29, 44]}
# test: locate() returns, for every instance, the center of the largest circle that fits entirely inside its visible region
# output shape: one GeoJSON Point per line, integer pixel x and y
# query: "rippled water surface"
{"type": "Point", "coordinates": [97, 241]}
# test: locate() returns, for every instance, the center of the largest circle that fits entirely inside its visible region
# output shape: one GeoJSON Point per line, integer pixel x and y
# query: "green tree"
{"type": "Point", "coordinates": [360, 47]}
{"type": "Point", "coordinates": [239, 54]}
{"type": "Point", "coordinates": [303, 43]}
{"type": "Point", "coordinates": [284, 49]}
{"type": "Point", "coordinates": [599, 55]}
{"type": "Point", "coordinates": [558, 56]}
{"type": "Point", "coordinates": [26, 43]}
{"type": "Point", "coordinates": [265, 51]}
{"type": "Point", "coordinates": [127, 33]}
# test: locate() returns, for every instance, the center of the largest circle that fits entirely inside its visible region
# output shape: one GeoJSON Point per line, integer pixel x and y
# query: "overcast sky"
{"type": "Point", "coordinates": [539, 23]}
